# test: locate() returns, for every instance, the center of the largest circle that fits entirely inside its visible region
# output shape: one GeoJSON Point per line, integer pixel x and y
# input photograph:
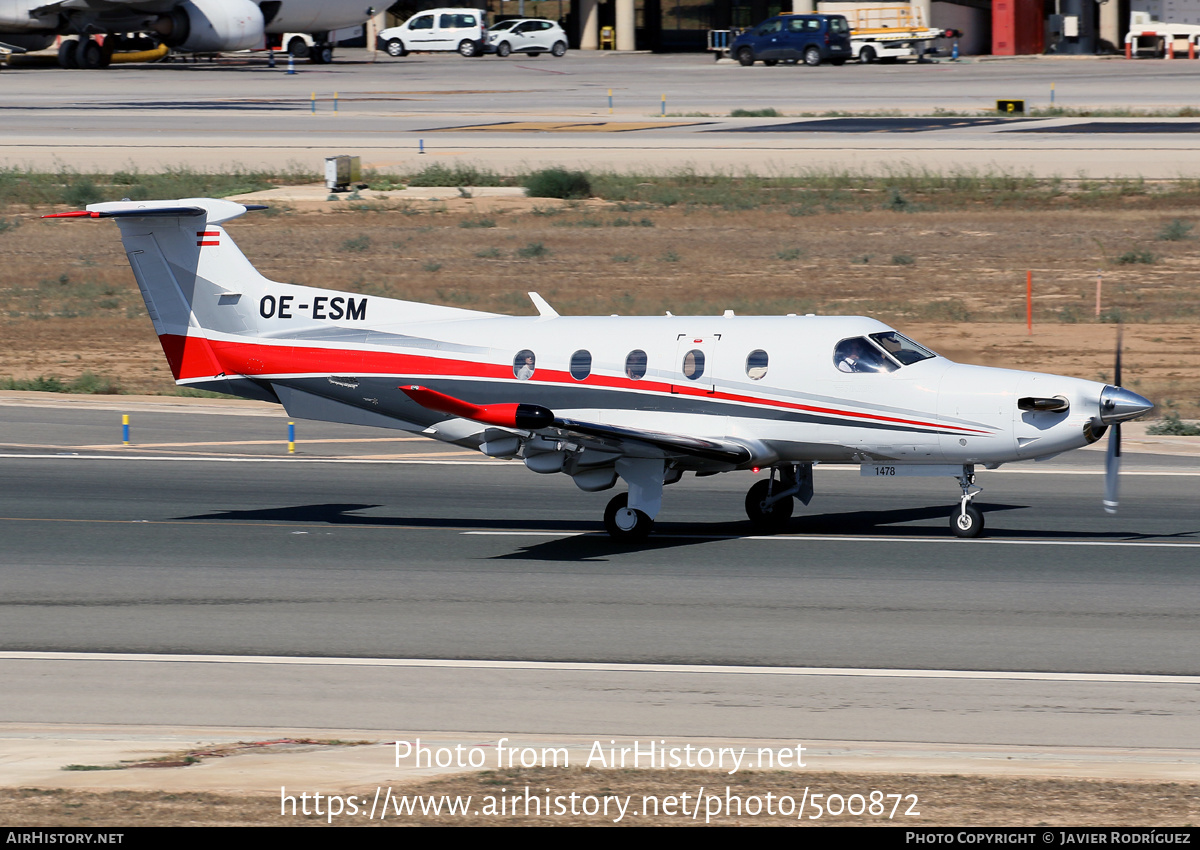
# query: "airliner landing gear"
{"type": "Point", "coordinates": [625, 523]}
{"type": "Point", "coordinates": [966, 520]}
{"type": "Point", "coordinates": [769, 503]}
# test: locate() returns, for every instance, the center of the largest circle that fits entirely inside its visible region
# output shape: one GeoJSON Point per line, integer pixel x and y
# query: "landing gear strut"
{"type": "Point", "coordinates": [966, 520]}
{"type": "Point", "coordinates": [769, 503]}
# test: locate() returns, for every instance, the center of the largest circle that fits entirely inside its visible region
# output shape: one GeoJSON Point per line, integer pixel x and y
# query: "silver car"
{"type": "Point", "coordinates": [533, 36]}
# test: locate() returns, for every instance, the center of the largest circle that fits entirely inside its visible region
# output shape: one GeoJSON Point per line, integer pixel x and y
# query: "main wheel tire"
{"type": "Point", "coordinates": [395, 47]}
{"type": "Point", "coordinates": [746, 57]}
{"type": "Point", "coordinates": [503, 49]}
{"type": "Point", "coordinates": [559, 50]}
{"type": "Point", "coordinates": [298, 48]}
{"type": "Point", "coordinates": [767, 518]}
{"type": "Point", "coordinates": [969, 524]}
{"type": "Point", "coordinates": [87, 54]}
{"type": "Point", "coordinates": [812, 56]}
{"type": "Point", "coordinates": [467, 48]}
{"type": "Point", "coordinates": [66, 54]}
{"type": "Point", "coordinates": [321, 54]}
{"type": "Point", "coordinates": [623, 523]}
{"type": "Point", "coordinates": [867, 55]}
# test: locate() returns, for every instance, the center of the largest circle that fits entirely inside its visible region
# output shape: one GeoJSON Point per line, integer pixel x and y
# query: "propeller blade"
{"type": "Point", "coordinates": [1117, 367]}
{"type": "Point", "coordinates": [1112, 470]}
{"type": "Point", "coordinates": [1112, 461]}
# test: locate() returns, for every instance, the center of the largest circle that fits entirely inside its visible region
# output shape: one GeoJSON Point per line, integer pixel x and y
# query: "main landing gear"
{"type": "Point", "coordinates": [630, 516]}
{"type": "Point", "coordinates": [966, 519]}
{"type": "Point", "coordinates": [769, 503]}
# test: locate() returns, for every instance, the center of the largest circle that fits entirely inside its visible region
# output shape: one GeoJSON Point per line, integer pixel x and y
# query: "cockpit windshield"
{"type": "Point", "coordinates": [902, 348]}
{"type": "Point", "coordinates": [858, 355]}
{"type": "Point", "coordinates": [861, 354]}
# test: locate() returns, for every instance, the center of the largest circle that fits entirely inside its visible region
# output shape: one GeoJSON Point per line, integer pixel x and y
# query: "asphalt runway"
{"type": "Point", "coordinates": [205, 578]}
{"type": "Point", "coordinates": [522, 113]}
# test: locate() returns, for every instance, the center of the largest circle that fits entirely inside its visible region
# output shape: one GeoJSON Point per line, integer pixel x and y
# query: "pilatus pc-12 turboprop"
{"type": "Point", "coordinates": [643, 399]}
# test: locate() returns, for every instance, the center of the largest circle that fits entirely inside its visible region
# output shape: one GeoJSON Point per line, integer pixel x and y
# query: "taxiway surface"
{"type": "Point", "coordinates": [666, 112]}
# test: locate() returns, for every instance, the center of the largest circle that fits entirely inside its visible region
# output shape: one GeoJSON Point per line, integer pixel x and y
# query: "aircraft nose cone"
{"type": "Point", "coordinates": [1118, 404]}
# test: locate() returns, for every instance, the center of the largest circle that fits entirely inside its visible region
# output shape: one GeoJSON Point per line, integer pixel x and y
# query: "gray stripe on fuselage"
{"type": "Point", "coordinates": [382, 395]}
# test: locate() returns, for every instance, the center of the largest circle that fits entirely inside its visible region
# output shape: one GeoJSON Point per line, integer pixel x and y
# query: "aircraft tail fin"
{"type": "Point", "coordinates": [193, 278]}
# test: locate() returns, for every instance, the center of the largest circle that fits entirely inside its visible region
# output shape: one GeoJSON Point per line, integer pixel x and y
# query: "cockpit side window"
{"type": "Point", "coordinates": [859, 355]}
{"type": "Point", "coordinates": [902, 348]}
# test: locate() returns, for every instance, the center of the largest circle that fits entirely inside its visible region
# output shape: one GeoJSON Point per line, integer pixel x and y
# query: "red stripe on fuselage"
{"type": "Point", "coordinates": [253, 358]}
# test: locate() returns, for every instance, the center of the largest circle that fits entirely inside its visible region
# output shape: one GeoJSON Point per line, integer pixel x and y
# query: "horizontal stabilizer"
{"type": "Point", "coordinates": [215, 210]}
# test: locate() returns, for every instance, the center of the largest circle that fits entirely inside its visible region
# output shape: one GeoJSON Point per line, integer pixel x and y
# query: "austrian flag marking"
{"type": "Point", "coordinates": [208, 237]}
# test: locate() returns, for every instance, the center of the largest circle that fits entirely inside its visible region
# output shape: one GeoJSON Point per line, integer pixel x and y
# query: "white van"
{"type": "Point", "coordinates": [462, 30]}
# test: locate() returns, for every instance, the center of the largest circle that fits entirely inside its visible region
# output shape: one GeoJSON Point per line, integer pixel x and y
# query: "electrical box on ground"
{"type": "Point", "coordinates": [341, 172]}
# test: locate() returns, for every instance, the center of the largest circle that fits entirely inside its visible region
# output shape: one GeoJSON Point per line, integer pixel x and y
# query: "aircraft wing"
{"type": "Point", "coordinates": [532, 417]}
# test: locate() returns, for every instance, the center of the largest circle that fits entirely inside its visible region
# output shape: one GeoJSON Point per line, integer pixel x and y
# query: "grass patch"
{"type": "Point", "coordinates": [488, 253]}
{"type": "Point", "coordinates": [358, 244]}
{"type": "Point", "coordinates": [789, 254]}
{"type": "Point", "coordinates": [768, 112]}
{"type": "Point", "coordinates": [86, 384]}
{"type": "Point", "coordinates": [902, 260]}
{"type": "Point", "coordinates": [459, 175]}
{"type": "Point", "coordinates": [477, 222]}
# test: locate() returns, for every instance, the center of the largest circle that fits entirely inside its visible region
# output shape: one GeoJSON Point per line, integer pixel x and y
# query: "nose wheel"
{"type": "Point", "coordinates": [966, 520]}
{"type": "Point", "coordinates": [625, 523]}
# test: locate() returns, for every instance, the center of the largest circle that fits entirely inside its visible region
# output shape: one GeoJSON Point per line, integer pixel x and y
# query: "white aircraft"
{"type": "Point", "coordinates": [643, 399]}
{"type": "Point", "coordinates": [194, 26]}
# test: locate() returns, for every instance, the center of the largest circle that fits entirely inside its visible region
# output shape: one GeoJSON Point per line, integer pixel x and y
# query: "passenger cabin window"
{"type": "Point", "coordinates": [770, 27]}
{"type": "Point", "coordinates": [635, 365]}
{"type": "Point", "coordinates": [581, 364]}
{"type": "Point", "coordinates": [859, 355]}
{"type": "Point", "coordinates": [756, 365]}
{"type": "Point", "coordinates": [523, 365]}
{"type": "Point", "coordinates": [693, 364]}
{"type": "Point", "coordinates": [425, 22]}
{"type": "Point", "coordinates": [902, 348]}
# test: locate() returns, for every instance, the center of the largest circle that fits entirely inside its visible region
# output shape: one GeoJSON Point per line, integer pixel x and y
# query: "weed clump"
{"type": "Point", "coordinates": [768, 112]}
{"type": "Point", "coordinates": [533, 251]}
{"type": "Point", "coordinates": [1172, 426]}
{"type": "Point", "coordinates": [1134, 257]}
{"type": "Point", "coordinates": [1176, 231]}
{"type": "Point", "coordinates": [558, 183]}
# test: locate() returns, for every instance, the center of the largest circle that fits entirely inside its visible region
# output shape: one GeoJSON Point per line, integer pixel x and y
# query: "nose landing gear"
{"type": "Point", "coordinates": [966, 520]}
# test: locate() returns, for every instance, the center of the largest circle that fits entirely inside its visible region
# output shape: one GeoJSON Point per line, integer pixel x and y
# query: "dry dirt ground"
{"type": "Point", "coordinates": [953, 280]}
{"type": "Point", "coordinates": [916, 801]}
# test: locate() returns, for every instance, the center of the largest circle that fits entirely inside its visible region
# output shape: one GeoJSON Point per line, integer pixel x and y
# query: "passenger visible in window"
{"type": "Point", "coordinates": [523, 365]}
{"type": "Point", "coordinates": [635, 365]}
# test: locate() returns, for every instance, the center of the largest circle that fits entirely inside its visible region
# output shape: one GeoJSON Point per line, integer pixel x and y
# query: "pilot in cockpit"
{"type": "Point", "coordinates": [857, 355]}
